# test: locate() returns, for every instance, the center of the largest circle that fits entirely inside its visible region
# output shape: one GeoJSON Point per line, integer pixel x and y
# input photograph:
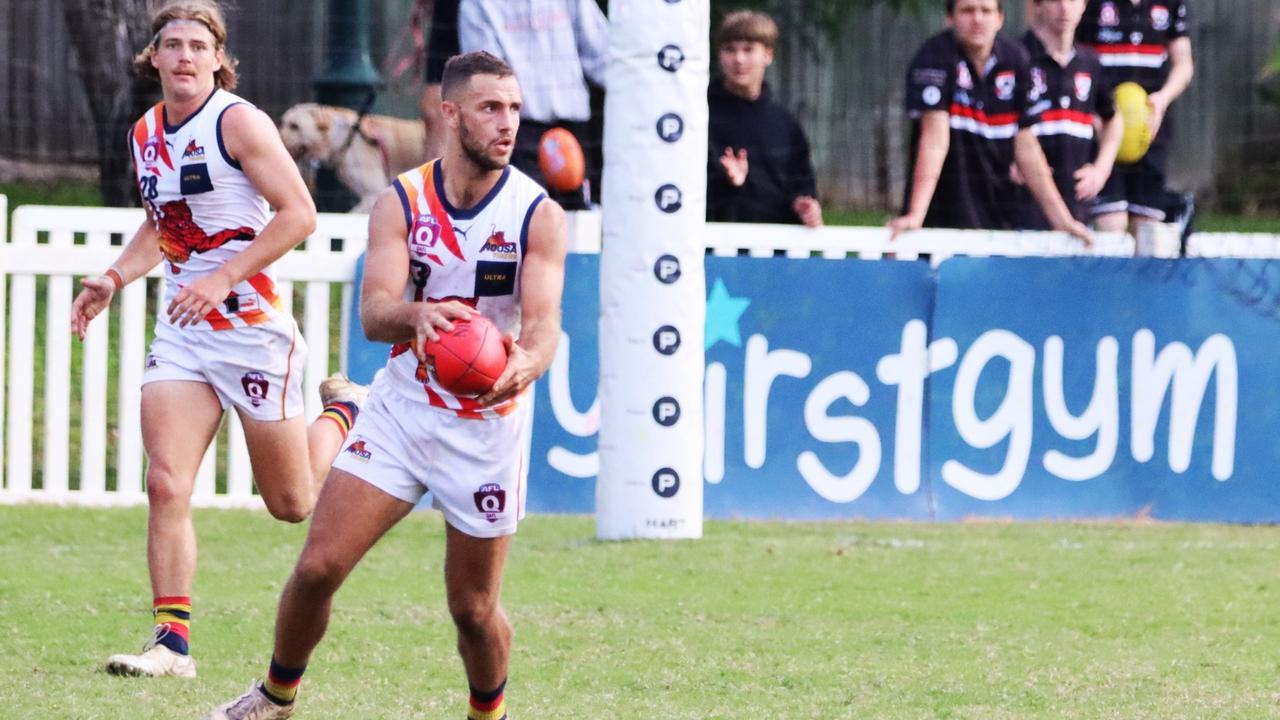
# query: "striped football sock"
{"type": "Point", "coordinates": [173, 622]}
{"type": "Point", "coordinates": [281, 685]}
{"type": "Point", "coordinates": [342, 413]}
{"type": "Point", "coordinates": [487, 705]}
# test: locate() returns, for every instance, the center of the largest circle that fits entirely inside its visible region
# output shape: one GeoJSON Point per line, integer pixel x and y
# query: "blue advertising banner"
{"type": "Point", "coordinates": [797, 423]}
{"type": "Point", "coordinates": [1105, 387]}
{"type": "Point", "coordinates": [1022, 388]}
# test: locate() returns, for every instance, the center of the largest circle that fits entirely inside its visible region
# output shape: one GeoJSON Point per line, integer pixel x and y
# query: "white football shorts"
{"type": "Point", "coordinates": [472, 468]}
{"type": "Point", "coordinates": [258, 369]}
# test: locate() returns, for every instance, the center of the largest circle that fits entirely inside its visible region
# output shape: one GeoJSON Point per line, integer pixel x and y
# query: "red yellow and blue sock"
{"type": "Point", "coordinates": [342, 413]}
{"type": "Point", "coordinates": [281, 685]}
{"type": "Point", "coordinates": [173, 622]}
{"type": "Point", "coordinates": [487, 705]}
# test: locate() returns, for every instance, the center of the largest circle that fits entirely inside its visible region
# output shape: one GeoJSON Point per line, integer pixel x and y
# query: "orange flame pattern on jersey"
{"type": "Point", "coordinates": [180, 235]}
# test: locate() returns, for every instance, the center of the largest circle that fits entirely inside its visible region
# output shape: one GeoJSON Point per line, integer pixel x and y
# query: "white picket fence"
{"type": "Point", "coordinates": [53, 246]}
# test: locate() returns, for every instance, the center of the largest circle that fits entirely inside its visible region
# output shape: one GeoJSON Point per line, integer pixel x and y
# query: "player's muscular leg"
{"type": "Point", "coordinates": [290, 461]}
{"type": "Point", "coordinates": [179, 419]}
{"type": "Point", "coordinates": [473, 581]}
{"type": "Point", "coordinates": [350, 517]}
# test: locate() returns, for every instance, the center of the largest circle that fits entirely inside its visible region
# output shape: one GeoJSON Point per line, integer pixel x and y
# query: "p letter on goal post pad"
{"type": "Point", "coordinates": [652, 282]}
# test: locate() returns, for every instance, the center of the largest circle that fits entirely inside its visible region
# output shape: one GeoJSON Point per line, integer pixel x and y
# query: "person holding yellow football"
{"type": "Point", "coordinates": [1144, 42]}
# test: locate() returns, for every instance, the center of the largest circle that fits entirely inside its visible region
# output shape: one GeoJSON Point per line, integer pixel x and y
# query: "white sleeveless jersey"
{"type": "Point", "coordinates": [472, 255]}
{"type": "Point", "coordinates": [205, 208]}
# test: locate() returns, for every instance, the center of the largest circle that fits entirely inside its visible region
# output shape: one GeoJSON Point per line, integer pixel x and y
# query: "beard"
{"type": "Point", "coordinates": [475, 151]}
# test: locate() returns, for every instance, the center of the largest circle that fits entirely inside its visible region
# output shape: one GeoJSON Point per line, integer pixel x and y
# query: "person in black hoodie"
{"type": "Point", "coordinates": [758, 166]}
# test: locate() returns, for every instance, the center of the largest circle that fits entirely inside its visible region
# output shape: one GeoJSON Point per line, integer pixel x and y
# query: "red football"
{"type": "Point", "coordinates": [468, 359]}
{"type": "Point", "coordinates": [560, 159]}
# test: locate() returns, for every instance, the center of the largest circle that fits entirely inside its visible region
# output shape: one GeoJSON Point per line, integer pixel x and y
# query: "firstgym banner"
{"type": "Point", "coordinates": [1028, 388]}
{"type": "Point", "coordinates": [1022, 388]}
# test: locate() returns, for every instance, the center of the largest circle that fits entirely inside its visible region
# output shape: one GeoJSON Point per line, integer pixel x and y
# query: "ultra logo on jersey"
{"type": "Point", "coordinates": [491, 501]}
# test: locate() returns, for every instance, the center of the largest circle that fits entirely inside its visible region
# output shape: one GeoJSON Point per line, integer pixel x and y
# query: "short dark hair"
{"type": "Point", "coordinates": [951, 6]}
{"type": "Point", "coordinates": [749, 26]}
{"type": "Point", "coordinates": [461, 68]}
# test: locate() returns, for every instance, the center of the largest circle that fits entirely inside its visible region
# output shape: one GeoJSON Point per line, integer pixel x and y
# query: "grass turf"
{"type": "Point", "coordinates": [757, 620]}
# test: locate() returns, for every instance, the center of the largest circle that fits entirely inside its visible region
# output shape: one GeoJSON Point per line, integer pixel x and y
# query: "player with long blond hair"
{"type": "Point", "coordinates": [208, 167]}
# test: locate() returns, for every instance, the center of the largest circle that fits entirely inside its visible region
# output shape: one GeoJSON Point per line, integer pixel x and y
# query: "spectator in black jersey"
{"type": "Point", "coordinates": [1144, 41]}
{"type": "Point", "coordinates": [967, 94]}
{"type": "Point", "coordinates": [758, 166]}
{"type": "Point", "coordinates": [1068, 91]}
{"type": "Point", "coordinates": [442, 44]}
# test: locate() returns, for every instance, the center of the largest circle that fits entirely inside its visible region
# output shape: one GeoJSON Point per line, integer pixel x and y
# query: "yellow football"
{"type": "Point", "coordinates": [1131, 103]}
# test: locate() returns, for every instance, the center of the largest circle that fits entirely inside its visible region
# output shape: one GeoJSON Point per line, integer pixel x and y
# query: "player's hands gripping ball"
{"type": "Point", "coordinates": [468, 359]}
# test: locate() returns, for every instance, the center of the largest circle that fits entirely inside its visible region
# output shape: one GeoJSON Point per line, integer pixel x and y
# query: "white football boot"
{"type": "Point", "coordinates": [252, 705]}
{"type": "Point", "coordinates": [155, 660]}
{"type": "Point", "coordinates": [339, 388]}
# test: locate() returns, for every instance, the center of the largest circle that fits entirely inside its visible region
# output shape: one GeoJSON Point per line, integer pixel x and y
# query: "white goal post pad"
{"type": "Point", "coordinates": [652, 285]}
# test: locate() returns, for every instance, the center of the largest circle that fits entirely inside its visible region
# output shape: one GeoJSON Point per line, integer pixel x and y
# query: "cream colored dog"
{"type": "Point", "coordinates": [366, 159]}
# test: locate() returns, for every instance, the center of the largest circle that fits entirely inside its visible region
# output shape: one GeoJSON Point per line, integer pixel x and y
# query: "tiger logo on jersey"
{"type": "Point", "coordinates": [180, 235]}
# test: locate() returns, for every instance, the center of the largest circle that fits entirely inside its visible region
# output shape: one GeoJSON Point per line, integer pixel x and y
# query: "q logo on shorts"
{"type": "Point", "coordinates": [491, 500]}
{"type": "Point", "coordinates": [255, 387]}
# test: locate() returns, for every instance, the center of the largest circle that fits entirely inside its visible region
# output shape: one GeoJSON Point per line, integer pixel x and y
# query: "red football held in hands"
{"type": "Point", "coordinates": [468, 359]}
{"type": "Point", "coordinates": [560, 158]}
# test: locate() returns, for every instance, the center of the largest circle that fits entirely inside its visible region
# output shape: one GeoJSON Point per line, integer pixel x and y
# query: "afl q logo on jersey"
{"type": "Point", "coordinates": [151, 151]}
{"type": "Point", "coordinates": [668, 198]}
{"type": "Point", "coordinates": [670, 58]}
{"type": "Point", "coordinates": [670, 127]}
{"type": "Point", "coordinates": [665, 482]}
{"type": "Point", "coordinates": [667, 269]}
{"type": "Point", "coordinates": [666, 411]}
{"type": "Point", "coordinates": [426, 231]}
{"type": "Point", "coordinates": [666, 340]}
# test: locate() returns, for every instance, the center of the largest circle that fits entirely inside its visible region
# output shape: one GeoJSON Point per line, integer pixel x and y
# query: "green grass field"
{"type": "Point", "coordinates": [756, 620]}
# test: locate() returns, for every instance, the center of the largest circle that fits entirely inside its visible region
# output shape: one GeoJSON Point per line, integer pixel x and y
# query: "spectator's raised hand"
{"type": "Point", "coordinates": [735, 166]}
{"type": "Point", "coordinates": [809, 211]}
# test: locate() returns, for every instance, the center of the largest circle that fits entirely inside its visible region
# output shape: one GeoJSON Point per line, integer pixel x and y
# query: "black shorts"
{"type": "Point", "coordinates": [1137, 189]}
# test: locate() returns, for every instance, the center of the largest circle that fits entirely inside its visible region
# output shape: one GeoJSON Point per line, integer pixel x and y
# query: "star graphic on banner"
{"type": "Point", "coordinates": [723, 313]}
